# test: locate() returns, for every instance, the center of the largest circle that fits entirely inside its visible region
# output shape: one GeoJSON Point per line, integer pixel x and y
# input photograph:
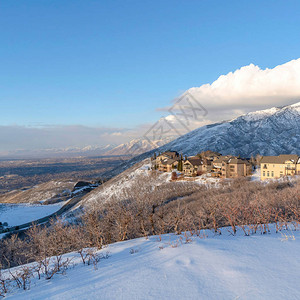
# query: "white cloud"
{"type": "Point", "coordinates": [247, 89]}
{"type": "Point", "coordinates": [252, 88]}
{"type": "Point", "coordinates": [116, 134]}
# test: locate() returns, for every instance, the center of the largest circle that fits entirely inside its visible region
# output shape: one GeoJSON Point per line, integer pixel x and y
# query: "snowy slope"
{"type": "Point", "coordinates": [120, 185]}
{"type": "Point", "coordinates": [138, 178]}
{"type": "Point", "coordinates": [269, 132]}
{"type": "Point", "coordinates": [17, 214]}
{"type": "Point", "coordinates": [212, 267]}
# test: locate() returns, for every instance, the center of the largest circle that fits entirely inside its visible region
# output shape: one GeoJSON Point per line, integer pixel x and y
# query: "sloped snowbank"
{"type": "Point", "coordinates": [207, 267]}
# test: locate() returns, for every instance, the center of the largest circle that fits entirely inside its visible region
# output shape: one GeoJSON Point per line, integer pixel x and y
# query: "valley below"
{"type": "Point", "coordinates": [25, 174]}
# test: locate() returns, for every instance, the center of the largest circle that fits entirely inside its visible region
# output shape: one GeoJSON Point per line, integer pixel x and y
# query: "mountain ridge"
{"type": "Point", "coordinates": [271, 131]}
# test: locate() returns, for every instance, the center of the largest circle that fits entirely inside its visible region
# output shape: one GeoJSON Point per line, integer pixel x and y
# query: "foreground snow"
{"type": "Point", "coordinates": [207, 267]}
{"type": "Point", "coordinates": [17, 214]}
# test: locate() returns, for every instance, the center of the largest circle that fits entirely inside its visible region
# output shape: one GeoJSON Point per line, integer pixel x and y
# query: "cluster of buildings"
{"type": "Point", "coordinates": [227, 166]}
{"type": "Point", "coordinates": [207, 162]}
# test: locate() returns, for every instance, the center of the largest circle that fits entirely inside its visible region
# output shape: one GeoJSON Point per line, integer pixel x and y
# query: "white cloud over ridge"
{"type": "Point", "coordinates": [251, 87]}
{"type": "Point", "coordinates": [247, 89]}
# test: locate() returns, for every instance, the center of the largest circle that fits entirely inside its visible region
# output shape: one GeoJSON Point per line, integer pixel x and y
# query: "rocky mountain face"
{"type": "Point", "coordinates": [268, 132]}
{"type": "Point", "coordinates": [136, 147]}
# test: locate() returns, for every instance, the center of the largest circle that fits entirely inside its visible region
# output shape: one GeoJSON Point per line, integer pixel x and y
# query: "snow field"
{"type": "Point", "coordinates": [206, 267]}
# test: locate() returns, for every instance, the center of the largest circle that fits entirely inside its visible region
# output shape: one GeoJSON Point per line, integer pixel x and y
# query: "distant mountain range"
{"type": "Point", "coordinates": [56, 152]}
{"type": "Point", "coordinates": [132, 148]}
{"type": "Point", "coordinates": [268, 132]}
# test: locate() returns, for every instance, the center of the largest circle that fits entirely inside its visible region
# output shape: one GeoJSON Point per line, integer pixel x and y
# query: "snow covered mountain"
{"type": "Point", "coordinates": [136, 147]}
{"type": "Point", "coordinates": [268, 132]}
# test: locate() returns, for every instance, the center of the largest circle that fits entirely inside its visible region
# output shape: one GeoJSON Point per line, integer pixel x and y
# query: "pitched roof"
{"type": "Point", "coordinates": [222, 158]}
{"type": "Point", "coordinates": [168, 161]}
{"type": "Point", "coordinates": [238, 161]}
{"type": "Point", "coordinates": [169, 154]}
{"type": "Point", "coordinates": [195, 161]}
{"type": "Point", "coordinates": [280, 159]}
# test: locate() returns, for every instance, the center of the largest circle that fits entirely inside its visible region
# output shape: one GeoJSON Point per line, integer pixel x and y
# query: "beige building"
{"type": "Point", "coordinates": [217, 164]}
{"type": "Point", "coordinates": [236, 167]}
{"type": "Point", "coordinates": [192, 166]}
{"type": "Point", "coordinates": [278, 166]}
{"type": "Point", "coordinates": [206, 166]}
{"type": "Point", "coordinates": [223, 166]}
{"type": "Point", "coordinates": [168, 154]}
{"type": "Point", "coordinates": [163, 161]}
{"type": "Point", "coordinates": [167, 165]}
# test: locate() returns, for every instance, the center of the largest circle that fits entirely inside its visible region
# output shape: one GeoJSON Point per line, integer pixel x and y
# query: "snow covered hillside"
{"type": "Point", "coordinates": [118, 187]}
{"type": "Point", "coordinates": [139, 179]}
{"type": "Point", "coordinates": [269, 132]}
{"type": "Point", "coordinates": [207, 266]}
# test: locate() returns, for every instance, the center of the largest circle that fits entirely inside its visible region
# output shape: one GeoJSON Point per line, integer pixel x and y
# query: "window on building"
{"type": "Point", "coordinates": [272, 174]}
{"type": "Point", "coordinates": [268, 174]}
{"type": "Point", "coordinates": [264, 173]}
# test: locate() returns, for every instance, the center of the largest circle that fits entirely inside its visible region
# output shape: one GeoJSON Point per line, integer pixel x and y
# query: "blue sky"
{"type": "Point", "coordinates": [113, 63]}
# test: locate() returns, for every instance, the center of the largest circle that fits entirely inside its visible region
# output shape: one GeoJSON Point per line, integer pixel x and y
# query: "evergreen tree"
{"type": "Point", "coordinates": [180, 164]}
